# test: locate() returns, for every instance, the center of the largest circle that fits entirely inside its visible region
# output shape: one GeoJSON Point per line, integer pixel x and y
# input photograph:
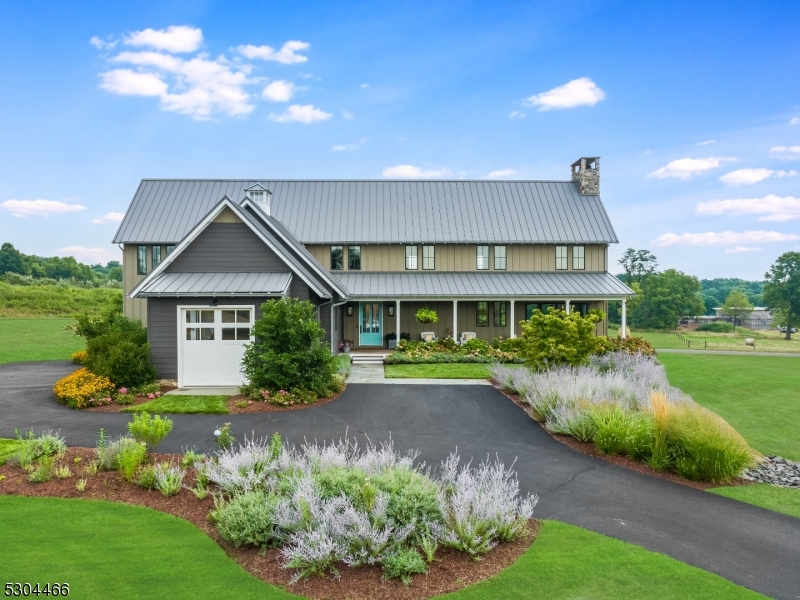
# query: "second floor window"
{"type": "Point", "coordinates": [579, 258]}
{"type": "Point", "coordinates": [156, 259]}
{"type": "Point", "coordinates": [141, 260]}
{"type": "Point", "coordinates": [483, 258]}
{"type": "Point", "coordinates": [411, 258]}
{"type": "Point", "coordinates": [499, 258]}
{"type": "Point", "coordinates": [354, 258]}
{"type": "Point", "coordinates": [561, 258]}
{"type": "Point", "coordinates": [483, 314]}
{"type": "Point", "coordinates": [428, 258]}
{"type": "Point", "coordinates": [337, 258]}
{"type": "Point", "coordinates": [170, 248]}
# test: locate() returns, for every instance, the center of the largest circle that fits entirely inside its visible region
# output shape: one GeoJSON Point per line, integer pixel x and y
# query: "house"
{"type": "Point", "coordinates": [201, 256]}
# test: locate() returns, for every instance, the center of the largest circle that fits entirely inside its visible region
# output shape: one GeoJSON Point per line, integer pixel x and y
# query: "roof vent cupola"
{"type": "Point", "coordinates": [261, 196]}
{"type": "Point", "coordinates": [586, 171]}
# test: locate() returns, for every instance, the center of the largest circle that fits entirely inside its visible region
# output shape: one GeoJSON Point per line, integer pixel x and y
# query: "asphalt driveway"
{"type": "Point", "coordinates": [756, 548]}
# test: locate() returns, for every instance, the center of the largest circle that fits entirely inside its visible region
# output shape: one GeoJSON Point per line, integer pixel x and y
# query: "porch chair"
{"type": "Point", "coordinates": [467, 336]}
{"type": "Point", "coordinates": [428, 336]}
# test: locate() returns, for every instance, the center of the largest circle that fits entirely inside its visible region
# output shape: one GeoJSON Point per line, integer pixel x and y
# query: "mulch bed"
{"type": "Point", "coordinates": [450, 571]}
{"type": "Point", "coordinates": [590, 449]}
{"type": "Point", "coordinates": [118, 407]}
{"type": "Point", "coordinates": [256, 406]}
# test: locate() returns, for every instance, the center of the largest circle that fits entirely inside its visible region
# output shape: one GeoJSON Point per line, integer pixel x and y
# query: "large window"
{"type": "Point", "coordinates": [156, 256]}
{"type": "Point", "coordinates": [529, 308]}
{"type": "Point", "coordinates": [354, 258]}
{"type": "Point", "coordinates": [561, 258]}
{"type": "Point", "coordinates": [337, 258]}
{"type": "Point", "coordinates": [483, 258]}
{"type": "Point", "coordinates": [141, 260]}
{"type": "Point", "coordinates": [544, 307]}
{"type": "Point", "coordinates": [578, 258]}
{"type": "Point", "coordinates": [581, 307]}
{"type": "Point", "coordinates": [500, 314]}
{"type": "Point", "coordinates": [483, 314]}
{"type": "Point", "coordinates": [411, 258]}
{"type": "Point", "coordinates": [499, 258]}
{"type": "Point", "coordinates": [429, 258]}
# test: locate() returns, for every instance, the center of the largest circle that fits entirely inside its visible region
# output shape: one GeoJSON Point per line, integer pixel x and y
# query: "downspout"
{"type": "Point", "coordinates": [332, 307]}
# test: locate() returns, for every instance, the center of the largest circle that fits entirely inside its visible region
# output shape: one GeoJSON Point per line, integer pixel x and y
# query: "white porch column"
{"type": "Point", "coordinates": [566, 304]}
{"type": "Point", "coordinates": [397, 321]}
{"type": "Point", "coordinates": [513, 318]}
{"type": "Point", "coordinates": [455, 320]}
{"type": "Point", "coordinates": [623, 331]}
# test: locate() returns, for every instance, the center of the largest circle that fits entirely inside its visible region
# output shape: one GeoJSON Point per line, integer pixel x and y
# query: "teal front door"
{"type": "Point", "coordinates": [369, 328]}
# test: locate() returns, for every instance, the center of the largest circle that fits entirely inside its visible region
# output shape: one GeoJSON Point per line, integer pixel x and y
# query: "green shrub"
{"type": "Point", "coordinates": [191, 457]}
{"type": "Point", "coordinates": [640, 438]}
{"type": "Point", "coordinates": [149, 430]}
{"type": "Point", "coordinates": [168, 478]}
{"type": "Point", "coordinates": [630, 345]}
{"type": "Point", "coordinates": [612, 423]}
{"type": "Point", "coordinates": [108, 452]}
{"type": "Point", "coordinates": [513, 345]}
{"type": "Point", "coordinates": [403, 564]}
{"type": "Point", "coordinates": [558, 338]}
{"type": "Point", "coordinates": [146, 477]}
{"type": "Point", "coordinates": [35, 447]}
{"type": "Point", "coordinates": [412, 496]}
{"type": "Point", "coordinates": [289, 350]}
{"type": "Point", "coordinates": [476, 345]}
{"type": "Point", "coordinates": [43, 471]}
{"type": "Point", "coordinates": [248, 519]}
{"type": "Point", "coordinates": [130, 459]}
{"type": "Point", "coordinates": [716, 327]}
{"type": "Point", "coordinates": [336, 481]}
{"type": "Point", "coordinates": [225, 439]}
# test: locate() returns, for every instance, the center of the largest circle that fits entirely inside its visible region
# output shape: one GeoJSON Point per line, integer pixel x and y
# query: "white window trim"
{"type": "Point", "coordinates": [414, 256]}
{"type": "Point", "coordinates": [479, 256]}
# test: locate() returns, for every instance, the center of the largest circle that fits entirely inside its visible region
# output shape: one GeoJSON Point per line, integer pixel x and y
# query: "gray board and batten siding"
{"type": "Point", "coordinates": [325, 212]}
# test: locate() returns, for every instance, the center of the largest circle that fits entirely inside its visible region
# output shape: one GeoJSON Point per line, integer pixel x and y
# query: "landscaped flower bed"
{"type": "Point", "coordinates": [448, 351]}
{"type": "Point", "coordinates": [624, 404]}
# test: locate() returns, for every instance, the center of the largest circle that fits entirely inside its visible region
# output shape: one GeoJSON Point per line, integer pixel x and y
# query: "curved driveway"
{"type": "Point", "coordinates": [756, 548]}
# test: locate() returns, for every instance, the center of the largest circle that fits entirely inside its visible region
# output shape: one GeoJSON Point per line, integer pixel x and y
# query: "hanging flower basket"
{"type": "Point", "coordinates": [427, 315]}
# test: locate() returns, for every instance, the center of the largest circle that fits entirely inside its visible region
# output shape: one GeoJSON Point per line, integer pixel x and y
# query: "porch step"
{"type": "Point", "coordinates": [371, 358]}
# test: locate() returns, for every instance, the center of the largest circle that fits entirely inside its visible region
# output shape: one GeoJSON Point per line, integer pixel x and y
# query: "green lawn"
{"type": "Point", "coordinates": [37, 339]}
{"type": "Point", "coordinates": [656, 339]}
{"type": "Point", "coordinates": [438, 371]}
{"type": "Point", "coordinates": [567, 562]}
{"type": "Point", "coordinates": [109, 550]}
{"type": "Point", "coordinates": [783, 500]}
{"type": "Point", "coordinates": [7, 449]}
{"type": "Point", "coordinates": [187, 405]}
{"type": "Point", "coordinates": [758, 395]}
{"type": "Point", "coordinates": [766, 341]}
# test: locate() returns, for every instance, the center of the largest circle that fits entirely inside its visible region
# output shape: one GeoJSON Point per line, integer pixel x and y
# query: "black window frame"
{"type": "Point", "coordinates": [415, 257]}
{"type": "Point", "coordinates": [500, 316]}
{"type": "Point", "coordinates": [582, 257]}
{"type": "Point", "coordinates": [565, 258]}
{"type": "Point", "coordinates": [340, 256]}
{"type": "Point", "coordinates": [529, 313]}
{"type": "Point", "coordinates": [169, 248]}
{"type": "Point", "coordinates": [155, 250]}
{"type": "Point", "coordinates": [478, 313]}
{"type": "Point", "coordinates": [478, 257]}
{"type": "Point", "coordinates": [353, 262]}
{"type": "Point", "coordinates": [504, 258]}
{"type": "Point", "coordinates": [141, 260]}
{"type": "Point", "coordinates": [431, 258]}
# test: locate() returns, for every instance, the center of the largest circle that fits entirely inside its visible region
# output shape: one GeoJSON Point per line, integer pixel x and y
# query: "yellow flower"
{"type": "Point", "coordinates": [77, 389]}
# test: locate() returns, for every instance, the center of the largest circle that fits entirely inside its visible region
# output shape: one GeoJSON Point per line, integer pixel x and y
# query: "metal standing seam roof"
{"type": "Point", "coordinates": [203, 284]}
{"type": "Point", "coordinates": [382, 211]}
{"type": "Point", "coordinates": [479, 285]}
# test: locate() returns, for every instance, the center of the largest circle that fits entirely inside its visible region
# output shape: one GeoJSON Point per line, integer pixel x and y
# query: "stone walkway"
{"type": "Point", "coordinates": [374, 374]}
{"type": "Point", "coordinates": [727, 352]}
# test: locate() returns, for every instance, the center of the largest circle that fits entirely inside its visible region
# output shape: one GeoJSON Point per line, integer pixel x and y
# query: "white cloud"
{"type": "Point", "coordinates": [364, 86]}
{"type": "Point", "coordinates": [131, 83]}
{"type": "Point", "coordinates": [794, 121]}
{"type": "Point", "coordinates": [91, 255]}
{"type": "Point", "coordinates": [578, 92]}
{"type": "Point", "coordinates": [516, 114]}
{"type": "Point", "coordinates": [103, 44]}
{"type": "Point", "coordinates": [706, 143]}
{"type": "Point", "coordinates": [279, 91]}
{"type": "Point", "coordinates": [771, 208]}
{"type": "Point", "coordinates": [724, 238]}
{"type": "Point", "coordinates": [751, 176]}
{"type": "Point", "coordinates": [301, 114]}
{"type": "Point", "coordinates": [175, 38]}
{"type": "Point", "coordinates": [287, 55]}
{"type": "Point", "coordinates": [353, 146]}
{"type": "Point", "coordinates": [39, 208]}
{"type": "Point", "coordinates": [412, 172]}
{"type": "Point", "coordinates": [500, 173]}
{"type": "Point", "coordinates": [740, 249]}
{"type": "Point", "coordinates": [112, 217]}
{"type": "Point", "coordinates": [685, 168]}
{"type": "Point", "coordinates": [790, 152]}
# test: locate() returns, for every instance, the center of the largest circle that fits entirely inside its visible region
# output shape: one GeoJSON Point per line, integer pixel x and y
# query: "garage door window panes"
{"type": "Point", "coordinates": [239, 317]}
{"type": "Point", "coordinates": [201, 317]}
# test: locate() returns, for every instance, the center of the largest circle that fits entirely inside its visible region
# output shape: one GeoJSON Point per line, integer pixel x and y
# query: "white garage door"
{"type": "Point", "coordinates": [211, 344]}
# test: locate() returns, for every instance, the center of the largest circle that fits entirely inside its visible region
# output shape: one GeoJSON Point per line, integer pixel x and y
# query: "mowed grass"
{"type": "Point", "coordinates": [8, 448]}
{"type": "Point", "coordinates": [783, 500]}
{"type": "Point", "coordinates": [438, 371]}
{"type": "Point", "coordinates": [765, 341]}
{"type": "Point", "coordinates": [657, 340]}
{"type": "Point", "coordinates": [758, 395]}
{"type": "Point", "coordinates": [186, 405]}
{"type": "Point", "coordinates": [23, 340]}
{"type": "Point", "coordinates": [110, 550]}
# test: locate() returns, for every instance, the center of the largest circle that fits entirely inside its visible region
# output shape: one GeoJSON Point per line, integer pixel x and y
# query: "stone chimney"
{"type": "Point", "coordinates": [586, 171]}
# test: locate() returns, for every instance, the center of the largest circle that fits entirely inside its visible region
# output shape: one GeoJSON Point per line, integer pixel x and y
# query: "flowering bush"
{"type": "Point", "coordinates": [83, 388]}
{"type": "Point", "coordinates": [631, 345]}
{"type": "Point", "coordinates": [448, 351]}
{"type": "Point", "coordinates": [79, 357]}
{"type": "Point", "coordinates": [284, 398]}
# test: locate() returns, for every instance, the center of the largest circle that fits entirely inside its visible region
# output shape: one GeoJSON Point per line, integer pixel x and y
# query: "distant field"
{"type": "Point", "coordinates": [24, 340]}
{"type": "Point", "coordinates": [52, 300]}
{"type": "Point", "coordinates": [766, 341]}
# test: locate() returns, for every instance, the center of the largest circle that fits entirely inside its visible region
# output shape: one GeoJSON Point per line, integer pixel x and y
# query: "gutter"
{"type": "Point", "coordinates": [332, 307]}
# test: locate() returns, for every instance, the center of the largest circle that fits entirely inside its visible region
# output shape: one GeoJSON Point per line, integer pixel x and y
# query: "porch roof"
{"type": "Point", "coordinates": [455, 285]}
{"type": "Point", "coordinates": [217, 284]}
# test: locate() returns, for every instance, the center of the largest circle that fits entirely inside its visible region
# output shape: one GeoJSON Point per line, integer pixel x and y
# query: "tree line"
{"type": "Point", "coordinates": [54, 268]}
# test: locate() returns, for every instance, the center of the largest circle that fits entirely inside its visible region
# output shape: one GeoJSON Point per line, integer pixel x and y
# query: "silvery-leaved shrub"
{"type": "Point", "coordinates": [109, 452]}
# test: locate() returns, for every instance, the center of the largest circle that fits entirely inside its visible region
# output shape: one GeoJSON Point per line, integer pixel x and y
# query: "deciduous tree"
{"type": "Point", "coordinates": [737, 306]}
{"type": "Point", "coordinates": [638, 265]}
{"type": "Point", "coordinates": [782, 290]}
{"type": "Point", "coordinates": [667, 297]}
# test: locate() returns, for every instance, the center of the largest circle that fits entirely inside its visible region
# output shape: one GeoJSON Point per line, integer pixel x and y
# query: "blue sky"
{"type": "Point", "coordinates": [693, 107]}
